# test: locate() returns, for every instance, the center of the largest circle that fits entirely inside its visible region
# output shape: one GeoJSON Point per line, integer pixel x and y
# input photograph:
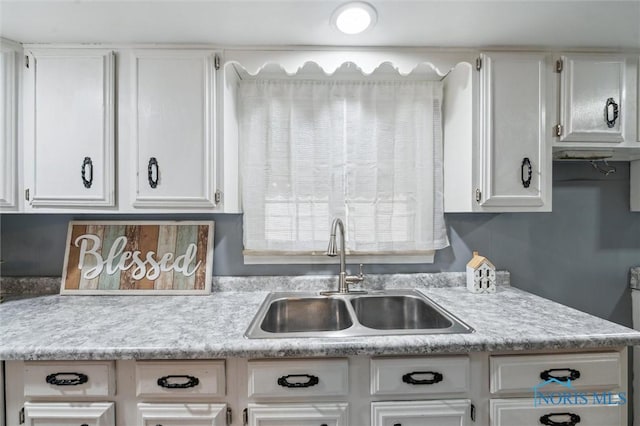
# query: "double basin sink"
{"type": "Point", "coordinates": [391, 312]}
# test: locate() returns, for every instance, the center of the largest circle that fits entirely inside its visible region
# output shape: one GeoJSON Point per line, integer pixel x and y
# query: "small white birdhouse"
{"type": "Point", "coordinates": [481, 275]}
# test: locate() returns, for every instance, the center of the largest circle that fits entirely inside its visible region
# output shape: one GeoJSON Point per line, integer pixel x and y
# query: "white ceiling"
{"type": "Point", "coordinates": [449, 23]}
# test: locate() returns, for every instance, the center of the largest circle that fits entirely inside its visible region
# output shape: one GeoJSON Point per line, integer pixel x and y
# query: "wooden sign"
{"type": "Point", "coordinates": [159, 257]}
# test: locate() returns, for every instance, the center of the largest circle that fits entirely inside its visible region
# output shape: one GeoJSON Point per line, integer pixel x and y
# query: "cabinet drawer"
{"type": "Point", "coordinates": [421, 413]}
{"type": "Point", "coordinates": [424, 375]}
{"type": "Point", "coordinates": [312, 414]}
{"type": "Point", "coordinates": [521, 412]}
{"type": "Point", "coordinates": [69, 379]}
{"type": "Point", "coordinates": [298, 378]}
{"type": "Point", "coordinates": [62, 413]}
{"type": "Point", "coordinates": [519, 374]}
{"type": "Point", "coordinates": [180, 378]}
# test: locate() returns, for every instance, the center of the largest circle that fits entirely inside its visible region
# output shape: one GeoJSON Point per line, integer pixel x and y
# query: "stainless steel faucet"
{"type": "Point", "coordinates": [343, 279]}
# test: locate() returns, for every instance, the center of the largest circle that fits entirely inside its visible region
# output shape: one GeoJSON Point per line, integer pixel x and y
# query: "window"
{"type": "Point", "coordinates": [369, 152]}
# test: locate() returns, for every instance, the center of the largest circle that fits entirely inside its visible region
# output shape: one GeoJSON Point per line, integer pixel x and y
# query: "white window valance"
{"type": "Point", "coordinates": [368, 152]}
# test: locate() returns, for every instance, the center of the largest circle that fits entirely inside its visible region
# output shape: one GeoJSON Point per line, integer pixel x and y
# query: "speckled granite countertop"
{"type": "Point", "coordinates": [192, 327]}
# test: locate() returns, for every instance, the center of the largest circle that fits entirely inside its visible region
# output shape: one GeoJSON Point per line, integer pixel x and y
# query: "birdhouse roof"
{"type": "Point", "coordinates": [477, 260]}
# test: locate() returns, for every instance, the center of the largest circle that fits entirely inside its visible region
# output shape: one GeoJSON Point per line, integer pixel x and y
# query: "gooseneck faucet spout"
{"type": "Point", "coordinates": [343, 279]}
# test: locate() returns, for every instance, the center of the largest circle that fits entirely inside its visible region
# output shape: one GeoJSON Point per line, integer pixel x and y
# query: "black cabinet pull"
{"type": "Point", "coordinates": [526, 165]}
{"type": "Point", "coordinates": [190, 382]}
{"type": "Point", "coordinates": [153, 168]}
{"type": "Point", "coordinates": [77, 379]}
{"type": "Point", "coordinates": [612, 106]}
{"type": "Point", "coordinates": [312, 381]}
{"type": "Point", "coordinates": [87, 164]}
{"type": "Point", "coordinates": [397, 424]}
{"type": "Point", "coordinates": [435, 378]}
{"type": "Point", "coordinates": [574, 419]}
{"type": "Point", "coordinates": [573, 374]}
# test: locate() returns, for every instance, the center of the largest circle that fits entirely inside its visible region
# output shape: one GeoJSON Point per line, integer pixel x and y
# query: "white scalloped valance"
{"type": "Point", "coordinates": [324, 64]}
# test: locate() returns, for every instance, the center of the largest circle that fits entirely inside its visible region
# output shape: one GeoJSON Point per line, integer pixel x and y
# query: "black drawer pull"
{"type": "Point", "coordinates": [573, 420]}
{"type": "Point", "coordinates": [79, 379]}
{"type": "Point", "coordinates": [87, 163]}
{"type": "Point", "coordinates": [435, 378]}
{"type": "Point", "coordinates": [191, 382]}
{"type": "Point", "coordinates": [573, 374]}
{"type": "Point", "coordinates": [284, 381]}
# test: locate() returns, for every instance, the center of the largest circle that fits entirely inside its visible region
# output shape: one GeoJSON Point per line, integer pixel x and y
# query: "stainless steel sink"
{"type": "Point", "coordinates": [377, 313]}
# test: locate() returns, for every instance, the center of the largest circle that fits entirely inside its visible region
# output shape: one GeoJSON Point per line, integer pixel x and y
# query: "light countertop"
{"type": "Point", "coordinates": [213, 326]}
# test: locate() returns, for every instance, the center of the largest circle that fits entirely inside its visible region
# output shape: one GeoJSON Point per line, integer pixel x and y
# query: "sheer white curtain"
{"type": "Point", "coordinates": [368, 152]}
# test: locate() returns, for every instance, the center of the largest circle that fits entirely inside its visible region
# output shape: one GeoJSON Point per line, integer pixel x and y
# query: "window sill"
{"type": "Point", "coordinates": [297, 258]}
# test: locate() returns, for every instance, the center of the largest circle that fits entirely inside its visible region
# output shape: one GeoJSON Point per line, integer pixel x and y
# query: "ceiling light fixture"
{"type": "Point", "coordinates": [354, 17]}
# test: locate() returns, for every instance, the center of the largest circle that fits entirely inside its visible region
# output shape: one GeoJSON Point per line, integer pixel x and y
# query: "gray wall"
{"type": "Point", "coordinates": [579, 254]}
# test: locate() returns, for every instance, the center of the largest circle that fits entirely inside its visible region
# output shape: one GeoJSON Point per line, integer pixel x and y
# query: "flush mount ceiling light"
{"type": "Point", "coordinates": [354, 17]}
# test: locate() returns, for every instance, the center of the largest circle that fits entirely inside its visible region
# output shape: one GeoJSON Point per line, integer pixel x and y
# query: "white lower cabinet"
{"type": "Point", "coordinates": [579, 389]}
{"type": "Point", "coordinates": [523, 412]}
{"type": "Point", "coordinates": [298, 378]}
{"type": "Point", "coordinates": [182, 414]}
{"type": "Point", "coordinates": [183, 379]}
{"type": "Point", "coordinates": [69, 379]}
{"type": "Point", "coordinates": [476, 389]}
{"type": "Point", "coordinates": [419, 375]}
{"type": "Point", "coordinates": [421, 413]}
{"type": "Point", "coordinates": [69, 414]}
{"type": "Point", "coordinates": [301, 414]}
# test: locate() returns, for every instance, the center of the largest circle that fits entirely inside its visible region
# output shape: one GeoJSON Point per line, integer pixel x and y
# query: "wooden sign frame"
{"type": "Point", "coordinates": [140, 258]}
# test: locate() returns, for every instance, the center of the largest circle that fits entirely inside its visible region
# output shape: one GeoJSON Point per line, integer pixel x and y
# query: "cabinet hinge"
{"type": "Point", "coordinates": [558, 129]}
{"type": "Point", "coordinates": [216, 62]}
{"type": "Point", "coordinates": [26, 194]}
{"type": "Point", "coordinates": [478, 63]}
{"type": "Point", "coordinates": [21, 416]}
{"type": "Point", "coordinates": [26, 61]}
{"type": "Point", "coordinates": [478, 195]}
{"type": "Point", "coordinates": [229, 417]}
{"type": "Point", "coordinates": [472, 413]}
{"type": "Point", "coordinates": [245, 416]}
{"type": "Point", "coordinates": [218, 197]}
{"type": "Point", "coordinates": [559, 65]}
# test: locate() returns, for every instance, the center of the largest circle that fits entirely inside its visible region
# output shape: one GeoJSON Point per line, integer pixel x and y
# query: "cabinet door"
{"type": "Point", "coordinates": [8, 134]}
{"type": "Point", "coordinates": [523, 412]}
{"type": "Point", "coordinates": [311, 414]}
{"type": "Point", "coordinates": [69, 116]}
{"type": "Point", "coordinates": [421, 413]}
{"type": "Point", "coordinates": [182, 414]}
{"type": "Point", "coordinates": [69, 414]}
{"type": "Point", "coordinates": [515, 152]}
{"type": "Point", "coordinates": [592, 96]}
{"type": "Point", "coordinates": [173, 128]}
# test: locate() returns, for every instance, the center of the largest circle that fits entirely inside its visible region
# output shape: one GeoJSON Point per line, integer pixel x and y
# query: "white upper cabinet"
{"type": "Point", "coordinates": [8, 127]}
{"type": "Point", "coordinates": [515, 152]}
{"type": "Point", "coordinates": [497, 136]}
{"type": "Point", "coordinates": [173, 128]}
{"type": "Point", "coordinates": [69, 128]}
{"type": "Point", "coordinates": [592, 98]}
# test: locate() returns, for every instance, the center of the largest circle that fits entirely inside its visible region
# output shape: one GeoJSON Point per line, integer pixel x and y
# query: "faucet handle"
{"type": "Point", "coordinates": [361, 274]}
